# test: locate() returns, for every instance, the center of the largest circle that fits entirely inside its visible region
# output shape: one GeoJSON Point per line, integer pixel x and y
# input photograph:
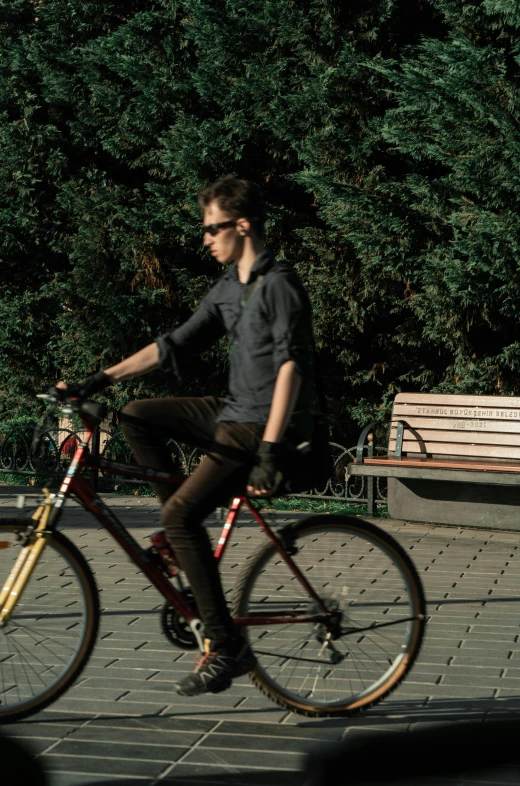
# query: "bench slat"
{"type": "Point", "coordinates": [458, 400]}
{"type": "Point", "coordinates": [487, 466]}
{"type": "Point", "coordinates": [497, 413]}
{"type": "Point", "coordinates": [431, 437]}
{"type": "Point", "coordinates": [452, 449]}
{"type": "Point", "coordinates": [463, 424]}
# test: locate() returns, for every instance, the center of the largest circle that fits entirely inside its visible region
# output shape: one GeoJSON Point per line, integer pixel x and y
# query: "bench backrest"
{"type": "Point", "coordinates": [482, 427]}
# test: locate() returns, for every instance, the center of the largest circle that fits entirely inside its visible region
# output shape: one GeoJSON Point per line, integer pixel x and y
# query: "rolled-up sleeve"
{"type": "Point", "coordinates": [168, 354]}
{"type": "Point", "coordinates": [291, 325]}
{"type": "Point", "coordinates": [198, 332]}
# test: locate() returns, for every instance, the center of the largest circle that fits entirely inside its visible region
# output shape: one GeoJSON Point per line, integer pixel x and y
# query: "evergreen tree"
{"type": "Point", "coordinates": [383, 135]}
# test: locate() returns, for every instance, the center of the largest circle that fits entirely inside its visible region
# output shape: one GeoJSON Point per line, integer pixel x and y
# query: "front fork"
{"type": "Point", "coordinates": [27, 559]}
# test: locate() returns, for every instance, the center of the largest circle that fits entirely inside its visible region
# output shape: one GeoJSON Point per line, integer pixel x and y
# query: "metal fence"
{"type": "Point", "coordinates": [50, 457]}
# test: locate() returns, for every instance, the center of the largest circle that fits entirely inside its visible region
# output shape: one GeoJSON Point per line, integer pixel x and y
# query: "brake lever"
{"type": "Point", "coordinates": [71, 405]}
{"type": "Point", "coordinates": [47, 397]}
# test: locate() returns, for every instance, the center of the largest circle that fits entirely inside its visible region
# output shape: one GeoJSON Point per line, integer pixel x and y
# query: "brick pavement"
{"type": "Point", "coordinates": [123, 723]}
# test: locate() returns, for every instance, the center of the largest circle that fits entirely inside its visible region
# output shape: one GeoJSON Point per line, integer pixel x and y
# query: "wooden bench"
{"type": "Point", "coordinates": [451, 460]}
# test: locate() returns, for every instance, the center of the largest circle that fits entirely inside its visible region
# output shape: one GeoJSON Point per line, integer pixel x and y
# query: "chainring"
{"type": "Point", "coordinates": [176, 628]}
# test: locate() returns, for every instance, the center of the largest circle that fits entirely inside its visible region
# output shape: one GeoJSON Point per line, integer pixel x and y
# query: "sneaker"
{"type": "Point", "coordinates": [216, 670]}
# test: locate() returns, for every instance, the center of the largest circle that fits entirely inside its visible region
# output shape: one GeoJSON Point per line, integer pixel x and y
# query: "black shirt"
{"type": "Point", "coordinates": [274, 327]}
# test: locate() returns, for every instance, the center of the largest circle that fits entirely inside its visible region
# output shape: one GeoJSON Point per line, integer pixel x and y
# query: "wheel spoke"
{"type": "Point", "coordinates": [374, 625]}
{"type": "Point", "coordinates": [51, 630]}
{"type": "Point", "coordinates": [351, 656]}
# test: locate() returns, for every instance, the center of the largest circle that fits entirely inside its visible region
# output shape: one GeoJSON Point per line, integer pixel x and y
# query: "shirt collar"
{"type": "Point", "coordinates": [263, 262]}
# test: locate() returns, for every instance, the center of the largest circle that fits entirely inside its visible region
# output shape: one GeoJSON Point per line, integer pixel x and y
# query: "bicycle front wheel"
{"type": "Point", "coordinates": [53, 627]}
{"type": "Point", "coordinates": [353, 654]}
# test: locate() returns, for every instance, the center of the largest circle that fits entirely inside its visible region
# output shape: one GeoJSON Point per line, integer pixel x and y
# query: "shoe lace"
{"type": "Point", "coordinates": [204, 660]}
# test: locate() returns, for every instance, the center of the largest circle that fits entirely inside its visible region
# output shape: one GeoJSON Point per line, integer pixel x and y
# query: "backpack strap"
{"type": "Point", "coordinates": [248, 296]}
{"type": "Point", "coordinates": [252, 288]}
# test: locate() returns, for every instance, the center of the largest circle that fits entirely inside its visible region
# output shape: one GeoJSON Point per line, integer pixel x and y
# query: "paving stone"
{"type": "Point", "coordinates": [79, 779]}
{"type": "Point", "coordinates": [84, 691]}
{"type": "Point", "coordinates": [477, 670]}
{"type": "Point", "coordinates": [471, 660]}
{"type": "Point", "coordinates": [512, 672]}
{"type": "Point", "coordinates": [101, 765]}
{"type": "Point", "coordinates": [116, 749]}
{"type": "Point", "coordinates": [505, 691]}
{"type": "Point", "coordinates": [128, 683]}
{"type": "Point", "coordinates": [244, 758]}
{"type": "Point", "coordinates": [462, 692]}
{"type": "Point", "coordinates": [119, 672]}
{"type": "Point", "coordinates": [125, 697]}
{"type": "Point", "coordinates": [270, 712]}
{"type": "Point", "coordinates": [305, 730]}
{"type": "Point", "coordinates": [500, 637]}
{"type": "Point", "coordinates": [225, 701]}
{"type": "Point", "coordinates": [42, 729]}
{"type": "Point", "coordinates": [136, 736]}
{"type": "Point", "coordinates": [69, 704]}
{"type": "Point", "coordinates": [33, 745]}
{"type": "Point", "coordinates": [186, 774]}
{"type": "Point", "coordinates": [476, 678]}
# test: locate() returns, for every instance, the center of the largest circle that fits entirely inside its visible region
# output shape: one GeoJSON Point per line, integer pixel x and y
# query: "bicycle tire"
{"type": "Point", "coordinates": [57, 611]}
{"type": "Point", "coordinates": [356, 552]}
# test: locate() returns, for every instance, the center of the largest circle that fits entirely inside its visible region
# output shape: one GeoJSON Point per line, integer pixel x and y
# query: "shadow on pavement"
{"type": "Point", "coordinates": [244, 778]}
{"type": "Point", "coordinates": [432, 711]}
{"type": "Point", "coordinates": [475, 751]}
{"type": "Point", "coordinates": [17, 766]}
{"type": "Point", "coordinates": [469, 749]}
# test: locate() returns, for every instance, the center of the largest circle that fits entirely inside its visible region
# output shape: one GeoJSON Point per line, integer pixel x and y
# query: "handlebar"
{"type": "Point", "coordinates": [69, 406]}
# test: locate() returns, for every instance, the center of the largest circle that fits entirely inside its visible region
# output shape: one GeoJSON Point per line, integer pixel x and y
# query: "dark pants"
{"type": "Point", "coordinates": [222, 474]}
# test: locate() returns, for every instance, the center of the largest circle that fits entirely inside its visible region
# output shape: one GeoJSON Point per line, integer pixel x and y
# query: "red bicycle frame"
{"type": "Point", "coordinates": [74, 483]}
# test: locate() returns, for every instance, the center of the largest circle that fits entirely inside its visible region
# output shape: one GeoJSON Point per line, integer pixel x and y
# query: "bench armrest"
{"type": "Point", "coordinates": [361, 442]}
{"type": "Point", "coordinates": [398, 452]}
{"type": "Point", "coordinates": [401, 425]}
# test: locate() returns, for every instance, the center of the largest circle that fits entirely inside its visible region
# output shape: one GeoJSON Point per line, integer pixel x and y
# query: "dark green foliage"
{"type": "Point", "coordinates": [384, 136]}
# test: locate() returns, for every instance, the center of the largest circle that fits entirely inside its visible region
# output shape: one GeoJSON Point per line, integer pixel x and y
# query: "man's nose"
{"type": "Point", "coordinates": [207, 239]}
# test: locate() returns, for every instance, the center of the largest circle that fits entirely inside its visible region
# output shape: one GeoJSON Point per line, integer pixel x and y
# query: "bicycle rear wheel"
{"type": "Point", "coordinates": [53, 627]}
{"type": "Point", "coordinates": [357, 652]}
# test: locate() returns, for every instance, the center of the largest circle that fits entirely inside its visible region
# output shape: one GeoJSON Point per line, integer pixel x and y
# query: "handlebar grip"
{"type": "Point", "coordinates": [56, 394]}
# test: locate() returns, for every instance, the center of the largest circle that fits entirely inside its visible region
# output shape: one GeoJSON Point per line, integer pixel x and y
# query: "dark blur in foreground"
{"type": "Point", "coordinates": [469, 750]}
{"type": "Point", "coordinates": [17, 767]}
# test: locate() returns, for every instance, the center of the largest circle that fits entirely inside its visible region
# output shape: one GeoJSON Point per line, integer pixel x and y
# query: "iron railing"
{"type": "Point", "coordinates": [55, 448]}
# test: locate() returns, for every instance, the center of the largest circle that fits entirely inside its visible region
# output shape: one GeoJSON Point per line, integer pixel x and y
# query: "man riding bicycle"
{"type": "Point", "coordinates": [250, 436]}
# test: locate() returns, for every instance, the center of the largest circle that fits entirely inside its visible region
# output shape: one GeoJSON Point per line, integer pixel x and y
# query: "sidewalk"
{"type": "Point", "coordinates": [123, 723]}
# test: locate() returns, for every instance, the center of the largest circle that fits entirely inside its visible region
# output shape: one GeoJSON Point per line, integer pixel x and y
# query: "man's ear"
{"type": "Point", "coordinates": [243, 226]}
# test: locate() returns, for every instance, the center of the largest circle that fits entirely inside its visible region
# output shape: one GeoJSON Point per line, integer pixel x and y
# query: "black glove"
{"type": "Point", "coordinates": [267, 473]}
{"type": "Point", "coordinates": [89, 387]}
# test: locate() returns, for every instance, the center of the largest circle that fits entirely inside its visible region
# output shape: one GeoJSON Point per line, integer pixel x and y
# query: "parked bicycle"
{"type": "Point", "coordinates": [331, 605]}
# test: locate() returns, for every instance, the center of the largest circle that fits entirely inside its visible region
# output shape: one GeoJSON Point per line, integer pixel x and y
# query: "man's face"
{"type": "Point", "coordinates": [228, 244]}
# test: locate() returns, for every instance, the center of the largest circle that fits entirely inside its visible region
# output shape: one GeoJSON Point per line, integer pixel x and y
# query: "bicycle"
{"type": "Point", "coordinates": [332, 605]}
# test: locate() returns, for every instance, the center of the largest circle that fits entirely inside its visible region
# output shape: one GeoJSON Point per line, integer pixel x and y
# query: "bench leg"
{"type": "Point", "coordinates": [370, 495]}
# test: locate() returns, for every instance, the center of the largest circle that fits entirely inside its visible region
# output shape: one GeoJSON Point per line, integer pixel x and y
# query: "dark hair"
{"type": "Point", "coordinates": [238, 199]}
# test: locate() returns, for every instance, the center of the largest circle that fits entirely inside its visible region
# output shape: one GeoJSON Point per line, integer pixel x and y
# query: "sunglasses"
{"type": "Point", "coordinates": [214, 229]}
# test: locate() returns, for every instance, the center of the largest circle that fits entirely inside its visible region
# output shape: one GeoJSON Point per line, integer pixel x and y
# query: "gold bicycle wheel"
{"type": "Point", "coordinates": [359, 651]}
{"type": "Point", "coordinates": [52, 630]}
